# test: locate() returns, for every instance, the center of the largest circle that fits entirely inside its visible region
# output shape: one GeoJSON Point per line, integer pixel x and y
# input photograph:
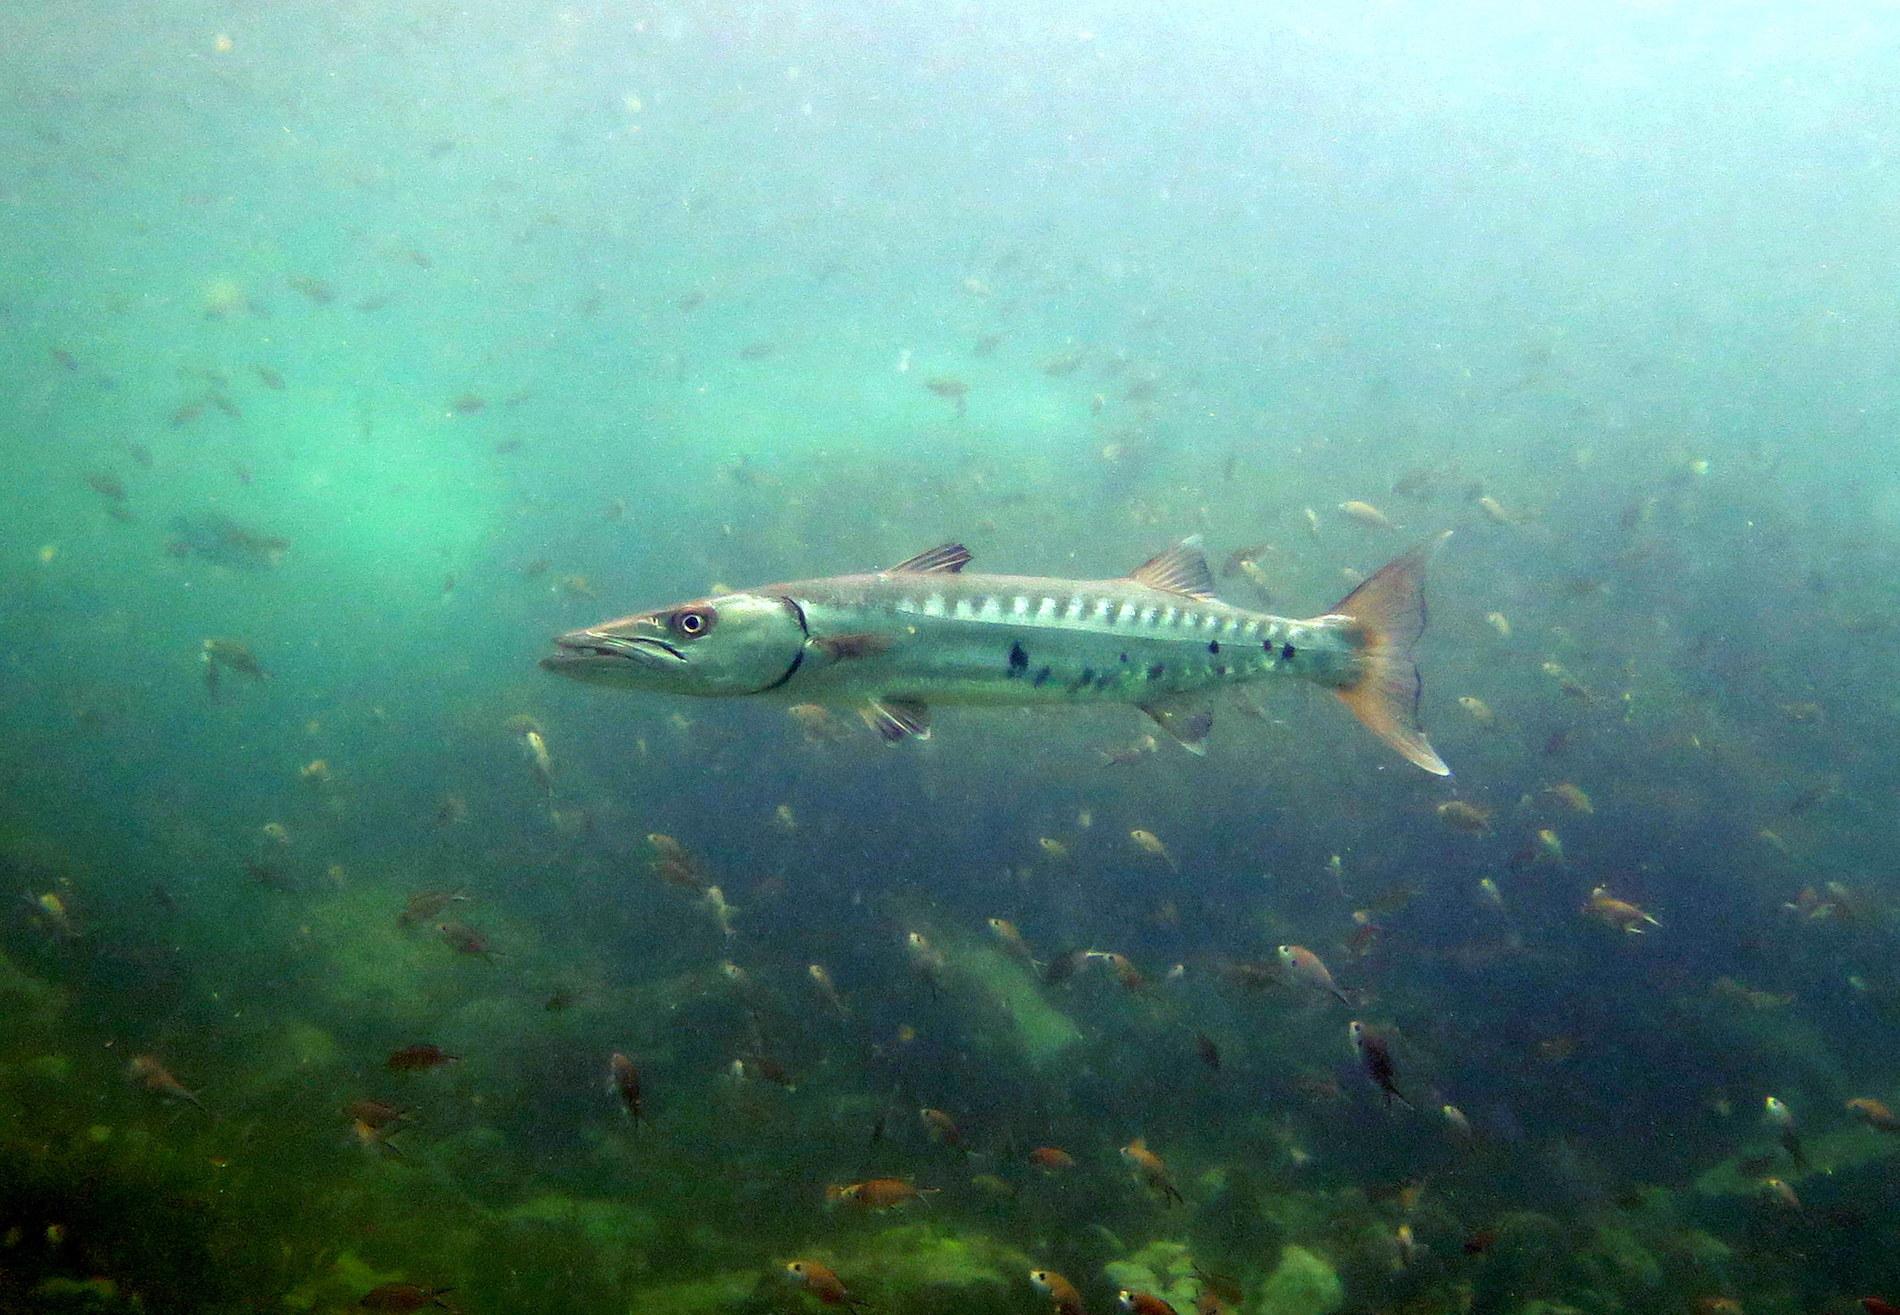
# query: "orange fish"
{"type": "Point", "coordinates": [1150, 1171]}
{"type": "Point", "coordinates": [1061, 1292]}
{"type": "Point", "coordinates": [822, 1282]}
{"type": "Point", "coordinates": [1620, 914]}
{"type": "Point", "coordinates": [1142, 1303]}
{"type": "Point", "coordinates": [404, 1296]}
{"type": "Point", "coordinates": [1873, 1113]}
{"type": "Point", "coordinates": [942, 1128]}
{"type": "Point", "coordinates": [157, 1079]}
{"type": "Point", "coordinates": [1125, 972]}
{"type": "Point", "coordinates": [880, 1194]}
{"type": "Point", "coordinates": [1051, 1159]}
{"type": "Point", "coordinates": [623, 1079]}
{"type": "Point", "coordinates": [414, 1059]}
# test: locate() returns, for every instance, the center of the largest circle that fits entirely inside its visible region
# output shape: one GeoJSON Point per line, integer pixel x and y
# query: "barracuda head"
{"type": "Point", "coordinates": [717, 647]}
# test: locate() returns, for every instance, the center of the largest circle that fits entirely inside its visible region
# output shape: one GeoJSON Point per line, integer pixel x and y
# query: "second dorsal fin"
{"type": "Point", "coordinates": [948, 557]}
{"type": "Point", "coordinates": [1182, 569]}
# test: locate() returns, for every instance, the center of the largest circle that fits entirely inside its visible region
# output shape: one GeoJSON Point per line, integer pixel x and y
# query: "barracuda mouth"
{"type": "Point", "coordinates": [587, 646]}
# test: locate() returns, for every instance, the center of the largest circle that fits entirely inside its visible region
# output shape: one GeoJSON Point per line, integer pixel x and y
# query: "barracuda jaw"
{"type": "Point", "coordinates": [733, 645]}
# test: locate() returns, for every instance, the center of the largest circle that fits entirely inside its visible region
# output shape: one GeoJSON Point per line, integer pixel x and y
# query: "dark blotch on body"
{"type": "Point", "coordinates": [1018, 659]}
{"type": "Point", "coordinates": [1213, 645]}
{"type": "Point", "coordinates": [1286, 653]}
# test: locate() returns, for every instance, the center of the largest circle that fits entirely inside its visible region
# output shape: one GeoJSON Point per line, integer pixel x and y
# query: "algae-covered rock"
{"type": "Point", "coordinates": [1041, 1031]}
{"type": "Point", "coordinates": [717, 1294]}
{"type": "Point", "coordinates": [608, 1225]}
{"type": "Point", "coordinates": [1629, 1264]}
{"type": "Point", "coordinates": [1164, 1269]}
{"type": "Point", "coordinates": [342, 1285]}
{"type": "Point", "coordinates": [25, 997]}
{"type": "Point", "coordinates": [1301, 1284]}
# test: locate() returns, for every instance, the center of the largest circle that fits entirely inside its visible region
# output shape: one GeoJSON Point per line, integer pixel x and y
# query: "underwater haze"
{"type": "Point", "coordinates": [353, 957]}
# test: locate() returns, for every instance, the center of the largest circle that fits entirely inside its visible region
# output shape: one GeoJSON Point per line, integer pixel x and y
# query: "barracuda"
{"type": "Point", "coordinates": [924, 632]}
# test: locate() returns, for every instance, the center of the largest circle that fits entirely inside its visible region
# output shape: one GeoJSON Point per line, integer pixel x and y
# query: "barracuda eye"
{"type": "Point", "coordinates": [692, 622]}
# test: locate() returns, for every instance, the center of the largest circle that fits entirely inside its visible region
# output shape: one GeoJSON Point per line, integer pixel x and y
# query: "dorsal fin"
{"type": "Point", "coordinates": [951, 557]}
{"type": "Point", "coordinates": [1182, 569]}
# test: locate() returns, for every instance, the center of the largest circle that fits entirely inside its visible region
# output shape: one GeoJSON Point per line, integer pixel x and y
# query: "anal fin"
{"type": "Point", "coordinates": [1187, 719]}
{"type": "Point", "coordinates": [898, 719]}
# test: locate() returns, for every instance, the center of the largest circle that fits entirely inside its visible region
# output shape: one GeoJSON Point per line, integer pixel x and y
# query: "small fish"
{"type": "Point", "coordinates": [1488, 892]}
{"type": "Point", "coordinates": [404, 1297]}
{"type": "Point", "coordinates": [535, 745]}
{"type": "Point", "coordinates": [424, 905]}
{"type": "Point", "coordinates": [1782, 1193]}
{"type": "Point", "coordinates": [1375, 1056]}
{"type": "Point", "coordinates": [1151, 1172]}
{"type": "Point", "coordinates": [880, 1194]}
{"type": "Point", "coordinates": [714, 900]}
{"type": "Point", "coordinates": [1573, 796]}
{"type": "Point", "coordinates": [464, 939]}
{"type": "Point", "coordinates": [1480, 710]}
{"type": "Point", "coordinates": [1781, 1119]}
{"type": "Point", "coordinates": [1304, 968]}
{"type": "Point", "coordinates": [785, 819]}
{"type": "Point", "coordinates": [221, 655]}
{"type": "Point", "coordinates": [1063, 363]}
{"type": "Point", "coordinates": [941, 1128]}
{"type": "Point", "coordinates": [826, 988]}
{"type": "Point", "coordinates": [419, 1058]}
{"type": "Point", "coordinates": [1141, 1303]}
{"type": "Point", "coordinates": [1364, 513]}
{"type": "Point", "coordinates": [1209, 1052]}
{"type": "Point", "coordinates": [1125, 971]}
{"type": "Point", "coordinates": [1874, 1114]}
{"type": "Point", "coordinates": [376, 1113]}
{"type": "Point", "coordinates": [1051, 1159]}
{"type": "Point", "coordinates": [269, 378]}
{"type": "Point", "coordinates": [822, 1283]}
{"type": "Point", "coordinates": [1149, 843]}
{"type": "Point", "coordinates": [315, 289]}
{"type": "Point", "coordinates": [467, 404]}
{"type": "Point", "coordinates": [1012, 941]}
{"type": "Point", "coordinates": [55, 912]}
{"type": "Point", "coordinates": [1132, 752]}
{"type": "Point", "coordinates": [1064, 1299]}
{"type": "Point", "coordinates": [952, 390]}
{"type": "Point", "coordinates": [1055, 849]}
{"type": "Point", "coordinates": [623, 1080]}
{"type": "Point", "coordinates": [153, 1076]}
{"type": "Point", "coordinates": [1500, 623]}
{"type": "Point", "coordinates": [106, 485]}
{"type": "Point", "coordinates": [1620, 914]}
{"type": "Point", "coordinates": [1466, 817]}
{"type": "Point", "coordinates": [926, 960]}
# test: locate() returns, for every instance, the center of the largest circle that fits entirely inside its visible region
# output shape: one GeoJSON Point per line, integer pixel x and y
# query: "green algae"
{"type": "Point", "coordinates": [1830, 1152]}
{"type": "Point", "coordinates": [1303, 1283]}
{"type": "Point", "coordinates": [1163, 1268]}
{"type": "Point", "coordinates": [1042, 1032]}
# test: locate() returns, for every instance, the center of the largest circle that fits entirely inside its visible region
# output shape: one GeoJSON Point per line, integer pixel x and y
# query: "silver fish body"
{"type": "Point", "coordinates": [923, 633]}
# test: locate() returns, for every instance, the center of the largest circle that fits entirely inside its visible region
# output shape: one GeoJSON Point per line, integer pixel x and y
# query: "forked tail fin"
{"type": "Point", "coordinates": [1387, 613]}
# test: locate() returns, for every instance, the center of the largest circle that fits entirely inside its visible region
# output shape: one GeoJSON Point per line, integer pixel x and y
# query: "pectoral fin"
{"type": "Point", "coordinates": [842, 648]}
{"type": "Point", "coordinates": [1187, 719]}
